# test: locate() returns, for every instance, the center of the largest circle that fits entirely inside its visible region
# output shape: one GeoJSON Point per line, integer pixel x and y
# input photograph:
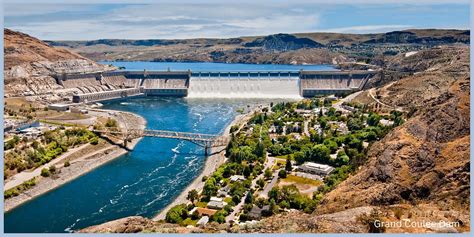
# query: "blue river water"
{"type": "Point", "coordinates": [206, 67]}
{"type": "Point", "coordinates": [143, 181]}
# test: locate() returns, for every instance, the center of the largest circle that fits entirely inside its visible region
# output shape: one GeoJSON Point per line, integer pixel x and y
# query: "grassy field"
{"type": "Point", "coordinates": [305, 185]}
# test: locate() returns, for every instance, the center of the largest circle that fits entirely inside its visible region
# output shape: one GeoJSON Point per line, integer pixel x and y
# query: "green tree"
{"type": "Point", "coordinates": [249, 198]}
{"type": "Point", "coordinates": [288, 166]}
{"type": "Point", "coordinates": [210, 187]}
{"type": "Point", "coordinates": [320, 153]}
{"type": "Point", "coordinates": [177, 214]}
{"type": "Point", "coordinates": [373, 119]}
{"type": "Point", "coordinates": [261, 182]}
{"type": "Point", "coordinates": [268, 173]}
{"type": "Point", "coordinates": [219, 217]}
{"type": "Point", "coordinates": [193, 195]}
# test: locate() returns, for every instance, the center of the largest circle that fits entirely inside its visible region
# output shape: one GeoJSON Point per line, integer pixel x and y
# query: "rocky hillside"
{"type": "Point", "coordinates": [283, 42]}
{"type": "Point", "coordinates": [29, 62]}
{"type": "Point", "coordinates": [326, 48]}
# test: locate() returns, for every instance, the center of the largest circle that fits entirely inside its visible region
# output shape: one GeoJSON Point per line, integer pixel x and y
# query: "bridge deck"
{"type": "Point", "coordinates": [204, 140]}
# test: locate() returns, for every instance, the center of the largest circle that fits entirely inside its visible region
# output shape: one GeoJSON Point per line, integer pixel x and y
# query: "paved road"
{"type": "Point", "coordinates": [23, 176]}
{"type": "Point", "coordinates": [338, 105]}
{"type": "Point", "coordinates": [238, 207]}
{"type": "Point", "coordinates": [270, 185]}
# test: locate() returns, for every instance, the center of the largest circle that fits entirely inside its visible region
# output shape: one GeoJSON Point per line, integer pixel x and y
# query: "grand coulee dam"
{"type": "Point", "coordinates": [234, 84]}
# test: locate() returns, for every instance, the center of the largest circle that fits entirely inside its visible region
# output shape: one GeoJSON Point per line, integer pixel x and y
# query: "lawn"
{"type": "Point", "coordinates": [305, 186]}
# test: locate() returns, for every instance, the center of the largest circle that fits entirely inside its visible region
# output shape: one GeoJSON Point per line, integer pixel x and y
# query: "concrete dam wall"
{"type": "Point", "coordinates": [264, 84]}
{"type": "Point", "coordinates": [244, 85]}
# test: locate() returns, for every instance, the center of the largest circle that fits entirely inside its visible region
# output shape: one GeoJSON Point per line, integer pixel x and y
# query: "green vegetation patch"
{"type": "Point", "coordinates": [19, 189]}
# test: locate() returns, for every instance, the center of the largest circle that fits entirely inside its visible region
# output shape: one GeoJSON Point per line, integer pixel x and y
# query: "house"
{"type": "Point", "coordinates": [315, 168]}
{"type": "Point", "coordinates": [203, 221]}
{"type": "Point", "coordinates": [223, 192]}
{"type": "Point", "coordinates": [217, 199]}
{"type": "Point", "coordinates": [235, 178]}
{"type": "Point", "coordinates": [256, 213]}
{"type": "Point", "coordinates": [217, 204]}
{"type": "Point", "coordinates": [386, 122]}
{"type": "Point", "coordinates": [205, 211]}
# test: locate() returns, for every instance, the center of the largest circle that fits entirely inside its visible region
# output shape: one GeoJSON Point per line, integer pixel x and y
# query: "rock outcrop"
{"type": "Point", "coordinates": [30, 64]}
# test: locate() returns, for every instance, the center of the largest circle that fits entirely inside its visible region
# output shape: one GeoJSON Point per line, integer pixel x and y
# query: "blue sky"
{"type": "Point", "coordinates": [144, 19]}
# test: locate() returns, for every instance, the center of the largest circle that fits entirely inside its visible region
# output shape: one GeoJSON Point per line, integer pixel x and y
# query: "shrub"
{"type": "Point", "coordinates": [94, 141]}
{"type": "Point", "coordinates": [45, 172]}
{"type": "Point", "coordinates": [52, 169]}
{"type": "Point", "coordinates": [282, 174]}
{"type": "Point", "coordinates": [67, 164]}
{"type": "Point", "coordinates": [111, 123]}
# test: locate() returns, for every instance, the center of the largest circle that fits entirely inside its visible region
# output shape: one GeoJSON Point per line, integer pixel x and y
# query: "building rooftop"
{"type": "Point", "coordinates": [203, 221]}
{"type": "Point", "coordinates": [316, 166]}
{"type": "Point", "coordinates": [205, 211]}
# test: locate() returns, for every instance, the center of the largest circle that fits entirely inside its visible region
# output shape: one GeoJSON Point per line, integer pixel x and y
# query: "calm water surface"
{"type": "Point", "coordinates": [174, 66]}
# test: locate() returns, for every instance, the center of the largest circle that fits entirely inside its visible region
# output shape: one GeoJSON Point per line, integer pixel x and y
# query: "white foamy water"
{"type": "Point", "coordinates": [244, 88]}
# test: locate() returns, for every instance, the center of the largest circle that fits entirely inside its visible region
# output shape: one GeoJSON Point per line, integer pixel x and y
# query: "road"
{"type": "Point", "coordinates": [23, 176]}
{"type": "Point", "coordinates": [268, 164]}
{"type": "Point", "coordinates": [338, 105]}
{"type": "Point", "coordinates": [270, 185]}
{"type": "Point", "coordinates": [371, 93]}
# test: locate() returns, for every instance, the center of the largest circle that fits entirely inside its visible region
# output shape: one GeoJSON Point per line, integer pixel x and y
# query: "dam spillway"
{"type": "Point", "coordinates": [244, 85]}
{"type": "Point", "coordinates": [234, 84]}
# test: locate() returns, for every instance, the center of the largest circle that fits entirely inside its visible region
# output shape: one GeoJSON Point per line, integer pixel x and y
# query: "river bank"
{"type": "Point", "coordinates": [213, 161]}
{"type": "Point", "coordinates": [82, 164]}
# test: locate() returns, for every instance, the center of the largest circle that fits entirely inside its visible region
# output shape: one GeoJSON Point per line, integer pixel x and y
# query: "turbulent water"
{"type": "Point", "coordinates": [139, 183]}
{"type": "Point", "coordinates": [243, 88]}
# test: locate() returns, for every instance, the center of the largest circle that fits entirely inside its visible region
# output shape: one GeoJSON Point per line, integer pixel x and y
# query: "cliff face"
{"type": "Point", "coordinates": [29, 62]}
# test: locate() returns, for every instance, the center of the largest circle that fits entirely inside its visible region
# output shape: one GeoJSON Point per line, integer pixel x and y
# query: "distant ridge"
{"type": "Point", "coordinates": [297, 48]}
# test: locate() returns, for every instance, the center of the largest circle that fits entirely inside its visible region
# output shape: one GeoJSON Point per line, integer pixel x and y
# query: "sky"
{"type": "Point", "coordinates": [181, 19]}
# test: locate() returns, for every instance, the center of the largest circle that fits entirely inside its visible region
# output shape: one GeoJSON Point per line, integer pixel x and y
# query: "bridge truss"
{"type": "Point", "coordinates": [206, 141]}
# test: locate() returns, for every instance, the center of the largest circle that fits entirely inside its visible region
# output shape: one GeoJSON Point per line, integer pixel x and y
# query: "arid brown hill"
{"type": "Point", "coordinates": [21, 48]}
{"type": "Point", "coordinates": [426, 160]}
{"type": "Point", "coordinates": [29, 62]}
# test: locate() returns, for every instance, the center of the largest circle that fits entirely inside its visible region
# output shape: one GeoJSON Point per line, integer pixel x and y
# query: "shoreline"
{"type": "Point", "coordinates": [216, 159]}
{"type": "Point", "coordinates": [79, 166]}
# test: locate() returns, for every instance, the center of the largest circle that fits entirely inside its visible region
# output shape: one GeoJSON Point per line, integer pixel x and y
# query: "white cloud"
{"type": "Point", "coordinates": [211, 19]}
{"type": "Point", "coordinates": [173, 21]}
